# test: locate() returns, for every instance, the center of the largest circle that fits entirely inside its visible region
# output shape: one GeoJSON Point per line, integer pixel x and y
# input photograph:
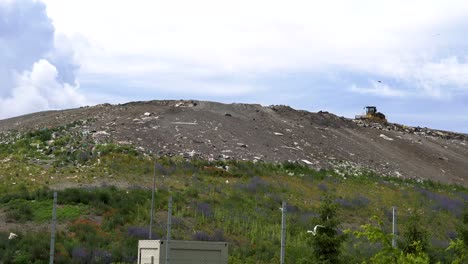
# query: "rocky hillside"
{"type": "Point", "coordinates": [215, 131]}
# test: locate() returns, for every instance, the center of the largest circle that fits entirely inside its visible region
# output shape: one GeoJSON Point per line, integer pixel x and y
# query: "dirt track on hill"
{"type": "Point", "coordinates": [214, 131]}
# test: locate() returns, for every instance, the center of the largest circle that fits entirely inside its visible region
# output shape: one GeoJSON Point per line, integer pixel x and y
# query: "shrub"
{"type": "Point", "coordinates": [415, 237]}
{"type": "Point", "coordinates": [19, 212]}
{"type": "Point", "coordinates": [217, 236]}
{"type": "Point", "coordinates": [326, 244]}
{"type": "Point", "coordinates": [357, 202]}
{"type": "Point", "coordinates": [204, 209]}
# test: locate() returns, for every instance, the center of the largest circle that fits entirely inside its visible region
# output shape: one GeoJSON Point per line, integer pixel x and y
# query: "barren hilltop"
{"type": "Point", "coordinates": [215, 131]}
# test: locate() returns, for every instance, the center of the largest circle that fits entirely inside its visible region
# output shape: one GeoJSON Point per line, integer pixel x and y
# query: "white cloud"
{"type": "Point", "coordinates": [37, 66]}
{"type": "Point", "coordinates": [149, 39]}
{"type": "Point", "coordinates": [448, 73]}
{"type": "Point", "coordinates": [38, 90]}
{"type": "Point", "coordinates": [379, 89]}
{"type": "Point", "coordinates": [436, 79]}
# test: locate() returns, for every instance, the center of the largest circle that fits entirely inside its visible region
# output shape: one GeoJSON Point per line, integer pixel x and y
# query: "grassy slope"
{"type": "Point", "coordinates": [239, 205]}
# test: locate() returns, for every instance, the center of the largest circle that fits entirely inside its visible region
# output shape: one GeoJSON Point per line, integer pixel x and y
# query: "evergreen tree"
{"type": "Point", "coordinates": [326, 243]}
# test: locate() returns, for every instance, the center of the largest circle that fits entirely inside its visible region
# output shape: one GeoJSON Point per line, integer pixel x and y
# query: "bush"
{"type": "Point", "coordinates": [326, 243]}
{"type": "Point", "coordinates": [415, 237]}
{"type": "Point", "coordinates": [42, 135]}
{"type": "Point", "coordinates": [19, 212]}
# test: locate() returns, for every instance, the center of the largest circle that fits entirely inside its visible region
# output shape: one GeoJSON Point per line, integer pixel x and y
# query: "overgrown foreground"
{"type": "Point", "coordinates": [229, 201]}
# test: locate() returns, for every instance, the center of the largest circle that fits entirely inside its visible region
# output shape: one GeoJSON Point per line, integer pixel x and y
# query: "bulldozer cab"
{"type": "Point", "coordinates": [371, 110]}
{"type": "Point", "coordinates": [372, 115]}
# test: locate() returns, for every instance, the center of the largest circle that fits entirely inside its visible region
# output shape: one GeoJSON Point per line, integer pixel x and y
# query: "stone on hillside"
{"type": "Point", "coordinates": [443, 158]}
{"type": "Point", "coordinates": [386, 137]}
{"type": "Point", "coordinates": [242, 145]}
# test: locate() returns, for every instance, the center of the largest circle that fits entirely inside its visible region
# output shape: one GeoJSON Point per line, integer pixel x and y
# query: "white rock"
{"type": "Point", "coordinates": [101, 133]}
{"type": "Point", "coordinates": [12, 236]}
{"type": "Point", "coordinates": [184, 123]}
{"type": "Point", "coordinates": [278, 134]}
{"type": "Point", "coordinates": [147, 114]}
{"type": "Point", "coordinates": [307, 162]}
{"type": "Point", "coordinates": [385, 137]}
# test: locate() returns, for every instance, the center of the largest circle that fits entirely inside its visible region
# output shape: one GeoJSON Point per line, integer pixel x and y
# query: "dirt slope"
{"type": "Point", "coordinates": [214, 131]}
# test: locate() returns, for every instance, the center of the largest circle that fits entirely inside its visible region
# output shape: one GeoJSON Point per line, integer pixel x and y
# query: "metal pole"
{"type": "Point", "coordinates": [169, 222]}
{"type": "Point", "coordinates": [283, 231]}
{"type": "Point", "coordinates": [152, 204]}
{"type": "Point", "coordinates": [394, 227]}
{"type": "Point", "coordinates": [52, 233]}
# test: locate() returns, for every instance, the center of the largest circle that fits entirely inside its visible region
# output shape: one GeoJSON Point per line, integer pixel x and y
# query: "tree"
{"type": "Point", "coordinates": [415, 237]}
{"type": "Point", "coordinates": [375, 233]}
{"type": "Point", "coordinates": [460, 245]}
{"type": "Point", "coordinates": [463, 228]}
{"type": "Point", "coordinates": [326, 243]}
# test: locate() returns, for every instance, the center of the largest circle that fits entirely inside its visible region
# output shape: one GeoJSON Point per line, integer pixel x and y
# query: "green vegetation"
{"type": "Point", "coordinates": [460, 245]}
{"type": "Point", "coordinates": [375, 233]}
{"type": "Point", "coordinates": [326, 243]}
{"type": "Point", "coordinates": [214, 201]}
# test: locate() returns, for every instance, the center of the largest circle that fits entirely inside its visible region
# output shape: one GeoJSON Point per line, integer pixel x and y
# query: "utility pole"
{"type": "Point", "coordinates": [152, 204]}
{"type": "Point", "coordinates": [283, 232]}
{"type": "Point", "coordinates": [52, 233]}
{"type": "Point", "coordinates": [169, 223]}
{"type": "Point", "coordinates": [394, 230]}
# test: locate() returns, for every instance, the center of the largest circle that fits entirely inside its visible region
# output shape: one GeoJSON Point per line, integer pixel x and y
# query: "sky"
{"type": "Point", "coordinates": [408, 58]}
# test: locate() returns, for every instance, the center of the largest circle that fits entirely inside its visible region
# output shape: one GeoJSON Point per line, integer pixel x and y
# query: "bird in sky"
{"type": "Point", "coordinates": [314, 232]}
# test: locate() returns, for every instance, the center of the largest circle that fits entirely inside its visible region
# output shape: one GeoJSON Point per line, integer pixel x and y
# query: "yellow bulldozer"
{"type": "Point", "coordinates": [372, 115]}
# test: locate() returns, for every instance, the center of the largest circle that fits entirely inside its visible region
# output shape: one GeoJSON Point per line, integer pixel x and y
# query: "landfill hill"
{"type": "Point", "coordinates": [213, 131]}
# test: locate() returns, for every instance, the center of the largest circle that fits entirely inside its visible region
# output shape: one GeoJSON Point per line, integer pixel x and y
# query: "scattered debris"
{"type": "Point", "coordinates": [321, 140]}
{"type": "Point", "coordinates": [184, 123]}
{"type": "Point", "coordinates": [421, 131]}
{"type": "Point", "coordinates": [286, 147]}
{"type": "Point", "coordinates": [443, 158]}
{"type": "Point", "coordinates": [385, 137]}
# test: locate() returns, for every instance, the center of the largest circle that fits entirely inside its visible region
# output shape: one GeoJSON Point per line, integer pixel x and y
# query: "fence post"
{"type": "Point", "coordinates": [283, 232]}
{"type": "Point", "coordinates": [150, 235]}
{"type": "Point", "coordinates": [169, 223]}
{"type": "Point", "coordinates": [394, 226]}
{"type": "Point", "coordinates": [52, 233]}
